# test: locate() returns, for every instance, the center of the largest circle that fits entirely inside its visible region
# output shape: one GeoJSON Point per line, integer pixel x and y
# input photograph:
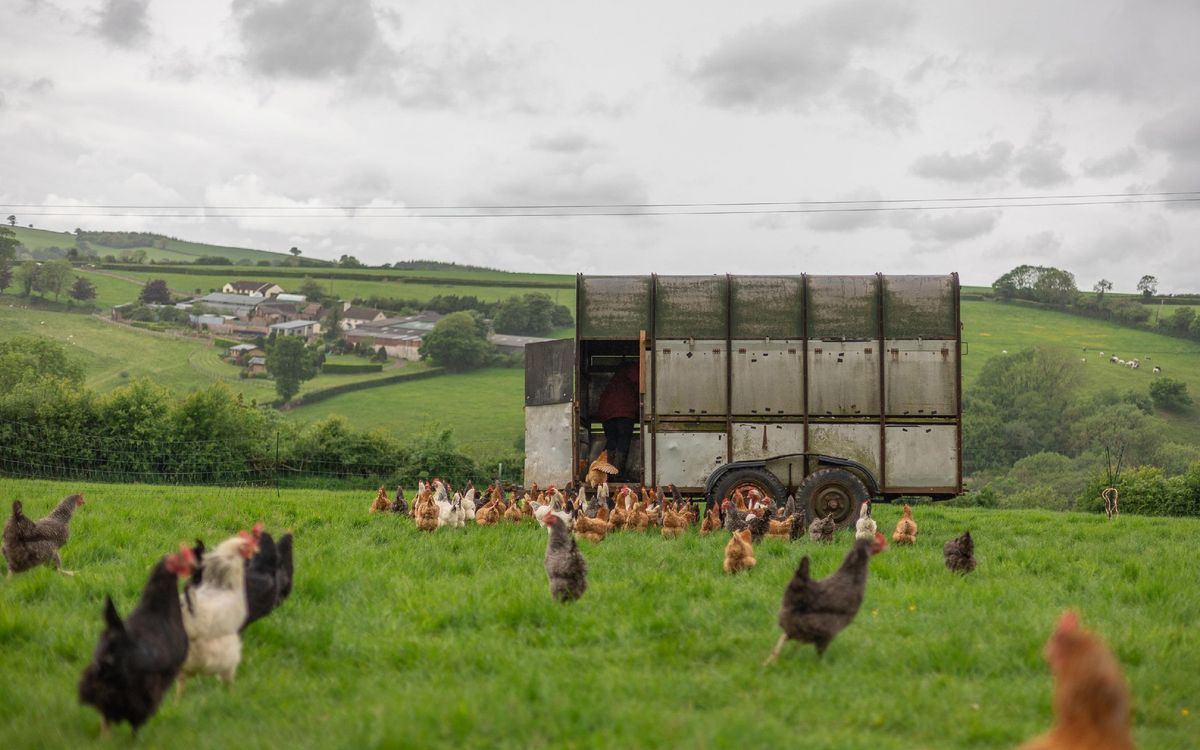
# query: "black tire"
{"type": "Point", "coordinates": [835, 492]}
{"type": "Point", "coordinates": [760, 479]}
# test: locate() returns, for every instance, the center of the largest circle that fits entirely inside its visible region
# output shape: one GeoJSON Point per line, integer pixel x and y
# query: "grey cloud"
{"type": "Point", "coordinates": [876, 99]}
{"type": "Point", "coordinates": [40, 86]}
{"type": "Point", "coordinates": [952, 226]}
{"type": "Point", "coordinates": [848, 221]}
{"type": "Point", "coordinates": [1041, 165]}
{"type": "Point", "coordinates": [123, 22]}
{"type": "Point", "coordinates": [310, 39]}
{"type": "Point", "coordinates": [566, 142]}
{"type": "Point", "coordinates": [461, 71]}
{"type": "Point", "coordinates": [1118, 162]}
{"type": "Point", "coordinates": [1141, 237]}
{"type": "Point", "coordinates": [792, 65]}
{"type": "Point", "coordinates": [1177, 133]}
{"type": "Point", "coordinates": [983, 164]}
{"type": "Point", "coordinates": [567, 180]}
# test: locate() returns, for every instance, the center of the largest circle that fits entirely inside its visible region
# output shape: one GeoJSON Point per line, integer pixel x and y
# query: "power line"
{"type": "Point", "coordinates": [350, 214]}
{"type": "Point", "coordinates": [580, 206]}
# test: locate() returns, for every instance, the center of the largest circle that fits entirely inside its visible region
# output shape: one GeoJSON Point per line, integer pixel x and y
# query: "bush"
{"type": "Point", "coordinates": [458, 342]}
{"type": "Point", "coordinates": [1170, 394]}
{"type": "Point", "coordinates": [1143, 491]}
{"type": "Point", "coordinates": [336, 368]}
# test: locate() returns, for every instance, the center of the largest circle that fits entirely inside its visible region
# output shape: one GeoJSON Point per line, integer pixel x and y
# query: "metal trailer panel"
{"type": "Point", "coordinates": [765, 439]}
{"type": "Point", "coordinates": [613, 307]}
{"type": "Point", "coordinates": [767, 307]}
{"type": "Point", "coordinates": [920, 377]}
{"type": "Point", "coordinates": [919, 307]}
{"type": "Point", "coordinates": [691, 307]}
{"type": "Point", "coordinates": [687, 458]}
{"type": "Point", "coordinates": [843, 378]}
{"type": "Point", "coordinates": [689, 377]}
{"type": "Point", "coordinates": [857, 442]}
{"type": "Point", "coordinates": [843, 307]}
{"type": "Point", "coordinates": [548, 449]}
{"type": "Point", "coordinates": [768, 377]}
{"type": "Point", "coordinates": [549, 372]}
{"type": "Point", "coordinates": [922, 457]}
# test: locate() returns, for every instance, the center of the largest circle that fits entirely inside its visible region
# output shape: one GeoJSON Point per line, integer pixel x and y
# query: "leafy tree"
{"type": "Point", "coordinates": [133, 256]}
{"type": "Point", "coordinates": [33, 358]}
{"type": "Point", "coordinates": [1181, 321]}
{"type": "Point", "coordinates": [289, 362]}
{"type": "Point", "coordinates": [311, 288]}
{"type": "Point", "coordinates": [1102, 286]}
{"type": "Point", "coordinates": [8, 247]}
{"type": "Point", "coordinates": [560, 317]}
{"type": "Point", "coordinates": [527, 315]}
{"type": "Point", "coordinates": [1045, 284]}
{"type": "Point", "coordinates": [1170, 394]}
{"type": "Point", "coordinates": [212, 260]}
{"type": "Point", "coordinates": [6, 277]}
{"type": "Point", "coordinates": [54, 277]}
{"type": "Point", "coordinates": [1148, 286]}
{"type": "Point", "coordinates": [295, 251]}
{"type": "Point", "coordinates": [12, 220]}
{"type": "Point", "coordinates": [1193, 329]}
{"type": "Point", "coordinates": [458, 342]}
{"type": "Point", "coordinates": [27, 276]}
{"type": "Point", "coordinates": [83, 290]}
{"type": "Point", "coordinates": [155, 293]}
{"type": "Point", "coordinates": [349, 261]}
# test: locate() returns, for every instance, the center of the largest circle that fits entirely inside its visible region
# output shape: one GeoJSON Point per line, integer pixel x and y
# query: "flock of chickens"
{"type": "Point", "coordinates": [170, 635]}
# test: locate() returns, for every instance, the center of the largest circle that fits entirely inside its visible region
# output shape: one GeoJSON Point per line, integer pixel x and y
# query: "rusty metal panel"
{"type": "Point", "coordinates": [548, 444]}
{"type": "Point", "coordinates": [762, 440]}
{"type": "Point", "coordinates": [690, 377]}
{"type": "Point", "coordinates": [919, 307]}
{"type": "Point", "coordinates": [691, 307]}
{"type": "Point", "coordinates": [921, 376]}
{"type": "Point", "coordinates": [843, 307]}
{"type": "Point", "coordinates": [857, 442]}
{"type": "Point", "coordinates": [549, 372]}
{"type": "Point", "coordinates": [767, 307]}
{"type": "Point", "coordinates": [768, 377]}
{"type": "Point", "coordinates": [921, 456]}
{"type": "Point", "coordinates": [613, 307]}
{"type": "Point", "coordinates": [687, 458]}
{"type": "Point", "coordinates": [843, 378]}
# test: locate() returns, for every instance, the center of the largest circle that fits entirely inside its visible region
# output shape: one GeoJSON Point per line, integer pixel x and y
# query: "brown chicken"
{"type": "Point", "coordinates": [960, 553]}
{"type": "Point", "coordinates": [780, 530]}
{"type": "Point", "coordinates": [513, 511]}
{"type": "Point", "coordinates": [427, 512]}
{"type": "Point", "coordinates": [906, 528]}
{"type": "Point", "coordinates": [399, 505]}
{"type": "Point", "coordinates": [639, 517]}
{"type": "Point", "coordinates": [816, 611]}
{"type": "Point", "coordinates": [712, 520]}
{"type": "Point", "coordinates": [674, 523]}
{"type": "Point", "coordinates": [28, 544]}
{"type": "Point", "coordinates": [489, 514]}
{"type": "Point", "coordinates": [381, 502]}
{"type": "Point", "coordinates": [600, 470]}
{"type": "Point", "coordinates": [739, 554]}
{"type": "Point", "coordinates": [593, 529]}
{"type": "Point", "coordinates": [1091, 699]}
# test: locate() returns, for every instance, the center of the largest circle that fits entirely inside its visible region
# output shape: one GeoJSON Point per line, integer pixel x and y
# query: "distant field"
{"type": "Point", "coordinates": [176, 250]}
{"type": "Point", "coordinates": [395, 638]}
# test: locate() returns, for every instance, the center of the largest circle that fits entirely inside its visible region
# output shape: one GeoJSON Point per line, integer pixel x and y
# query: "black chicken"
{"type": "Point", "coordinates": [960, 553]}
{"type": "Point", "coordinates": [137, 660]}
{"type": "Point", "coordinates": [799, 524]}
{"type": "Point", "coordinates": [735, 520]}
{"type": "Point", "coordinates": [399, 505]}
{"type": "Point", "coordinates": [822, 529]}
{"type": "Point", "coordinates": [27, 544]}
{"type": "Point", "coordinates": [284, 549]}
{"type": "Point", "coordinates": [565, 567]}
{"type": "Point", "coordinates": [758, 527]}
{"type": "Point", "coordinates": [816, 611]}
{"type": "Point", "coordinates": [262, 582]}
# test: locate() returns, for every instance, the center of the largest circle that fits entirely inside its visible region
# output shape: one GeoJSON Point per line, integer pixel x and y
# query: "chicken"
{"type": "Point", "coordinates": [865, 528]}
{"type": "Point", "coordinates": [468, 503]}
{"type": "Point", "coordinates": [712, 520]}
{"type": "Point", "coordinates": [600, 470]}
{"type": "Point", "coordinates": [639, 517]}
{"type": "Point", "coordinates": [739, 554]}
{"type": "Point", "coordinates": [137, 660]}
{"type": "Point", "coordinates": [799, 519]}
{"type": "Point", "coordinates": [822, 529]}
{"type": "Point", "coordinates": [284, 572]}
{"type": "Point", "coordinates": [566, 569]}
{"type": "Point", "coordinates": [262, 577]}
{"type": "Point", "coordinates": [28, 544]}
{"type": "Point", "coordinates": [488, 515]}
{"type": "Point", "coordinates": [593, 529]}
{"type": "Point", "coordinates": [906, 528]}
{"type": "Point", "coordinates": [428, 513]}
{"type": "Point", "coordinates": [399, 505]}
{"type": "Point", "coordinates": [380, 503]}
{"type": "Point", "coordinates": [780, 529]}
{"type": "Point", "coordinates": [513, 511]}
{"type": "Point", "coordinates": [960, 553]}
{"type": "Point", "coordinates": [735, 517]}
{"type": "Point", "coordinates": [674, 523]}
{"type": "Point", "coordinates": [758, 525]}
{"type": "Point", "coordinates": [816, 611]}
{"type": "Point", "coordinates": [215, 610]}
{"type": "Point", "coordinates": [1091, 699]}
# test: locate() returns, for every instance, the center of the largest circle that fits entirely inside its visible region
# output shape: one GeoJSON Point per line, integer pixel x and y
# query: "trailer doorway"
{"type": "Point", "coordinates": [599, 361]}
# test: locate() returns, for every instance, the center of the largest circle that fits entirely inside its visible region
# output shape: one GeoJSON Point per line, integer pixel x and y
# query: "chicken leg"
{"type": "Point", "coordinates": [105, 729]}
{"type": "Point", "coordinates": [58, 566]}
{"type": "Point", "coordinates": [180, 682]}
{"type": "Point", "coordinates": [775, 653]}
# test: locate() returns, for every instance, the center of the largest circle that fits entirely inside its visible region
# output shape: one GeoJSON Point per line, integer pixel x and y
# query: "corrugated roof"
{"type": "Point", "coordinates": [289, 325]}
{"type": "Point", "coordinates": [242, 300]}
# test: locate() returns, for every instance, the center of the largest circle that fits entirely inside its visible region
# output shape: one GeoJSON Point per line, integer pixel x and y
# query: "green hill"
{"type": "Point", "coordinates": [172, 249]}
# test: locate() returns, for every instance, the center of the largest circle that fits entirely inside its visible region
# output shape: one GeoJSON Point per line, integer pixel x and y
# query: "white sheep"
{"type": "Point", "coordinates": [1113, 359]}
{"type": "Point", "coordinates": [1157, 369]}
{"type": "Point", "coordinates": [1122, 362]}
{"type": "Point", "coordinates": [1004, 351]}
{"type": "Point", "coordinates": [1083, 360]}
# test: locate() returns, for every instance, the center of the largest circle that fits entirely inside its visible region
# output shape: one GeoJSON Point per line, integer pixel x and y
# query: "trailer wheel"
{"type": "Point", "coordinates": [835, 492]}
{"type": "Point", "coordinates": [746, 479]}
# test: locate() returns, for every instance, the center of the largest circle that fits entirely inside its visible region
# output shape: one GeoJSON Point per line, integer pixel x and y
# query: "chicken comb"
{"type": "Point", "coordinates": [1068, 622]}
{"type": "Point", "coordinates": [257, 529]}
{"type": "Point", "coordinates": [187, 554]}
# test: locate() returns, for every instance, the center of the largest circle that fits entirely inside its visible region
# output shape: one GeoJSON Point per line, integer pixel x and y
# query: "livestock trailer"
{"type": "Point", "coordinates": [834, 388]}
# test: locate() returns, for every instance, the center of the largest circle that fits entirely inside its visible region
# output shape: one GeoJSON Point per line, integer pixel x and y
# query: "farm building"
{"type": "Point", "coordinates": [241, 352]}
{"type": "Point", "coordinates": [507, 344]}
{"type": "Point", "coordinates": [304, 328]}
{"type": "Point", "coordinates": [213, 322]}
{"type": "Point", "coordinates": [399, 337]}
{"type": "Point", "coordinates": [253, 288]}
{"type": "Point", "coordinates": [257, 365]}
{"type": "Point", "coordinates": [285, 297]}
{"type": "Point", "coordinates": [241, 305]}
{"type": "Point", "coordinates": [354, 316]}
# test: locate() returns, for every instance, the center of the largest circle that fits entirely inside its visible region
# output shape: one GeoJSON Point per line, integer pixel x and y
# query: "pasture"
{"type": "Point", "coordinates": [398, 638]}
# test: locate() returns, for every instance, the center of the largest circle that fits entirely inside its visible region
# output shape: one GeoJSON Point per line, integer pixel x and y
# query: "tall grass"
{"type": "Point", "coordinates": [396, 638]}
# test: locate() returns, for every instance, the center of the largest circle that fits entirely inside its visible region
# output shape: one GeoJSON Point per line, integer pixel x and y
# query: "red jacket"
{"type": "Point", "coordinates": [620, 396]}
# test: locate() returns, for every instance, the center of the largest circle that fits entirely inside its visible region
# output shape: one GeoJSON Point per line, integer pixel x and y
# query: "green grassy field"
{"type": "Point", "coordinates": [396, 638]}
{"type": "Point", "coordinates": [175, 250]}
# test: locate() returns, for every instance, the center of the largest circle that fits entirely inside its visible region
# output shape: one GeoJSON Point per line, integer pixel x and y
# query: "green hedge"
{"type": "Point", "coordinates": [225, 343]}
{"type": "Point", "coordinates": [324, 393]}
{"type": "Point", "coordinates": [340, 368]}
{"type": "Point", "coordinates": [321, 273]}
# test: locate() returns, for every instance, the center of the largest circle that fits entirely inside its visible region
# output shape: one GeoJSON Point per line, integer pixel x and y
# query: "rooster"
{"type": "Point", "coordinates": [1091, 699]}
{"type": "Point", "coordinates": [822, 529]}
{"type": "Point", "coordinates": [960, 553]}
{"type": "Point", "coordinates": [739, 554]}
{"type": "Point", "coordinates": [28, 544]}
{"type": "Point", "coordinates": [137, 659]}
{"type": "Point", "coordinates": [215, 610]}
{"type": "Point", "coordinates": [865, 528]}
{"type": "Point", "coordinates": [566, 569]}
{"type": "Point", "coordinates": [906, 528]}
{"type": "Point", "coordinates": [816, 611]}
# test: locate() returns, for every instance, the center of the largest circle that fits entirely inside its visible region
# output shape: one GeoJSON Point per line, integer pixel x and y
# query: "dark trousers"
{"type": "Point", "coordinates": [618, 432]}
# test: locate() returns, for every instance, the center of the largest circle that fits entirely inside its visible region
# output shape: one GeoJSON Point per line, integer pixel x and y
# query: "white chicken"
{"type": "Point", "coordinates": [865, 528]}
{"type": "Point", "coordinates": [213, 612]}
{"type": "Point", "coordinates": [468, 504]}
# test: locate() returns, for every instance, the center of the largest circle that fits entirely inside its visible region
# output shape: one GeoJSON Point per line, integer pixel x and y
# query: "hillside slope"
{"type": "Point", "coordinates": [175, 250]}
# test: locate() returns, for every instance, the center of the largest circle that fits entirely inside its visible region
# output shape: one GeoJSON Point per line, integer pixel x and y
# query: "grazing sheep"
{"type": "Point", "coordinates": [1083, 360]}
{"type": "Point", "coordinates": [1122, 362]}
{"type": "Point", "coordinates": [1004, 351]}
{"type": "Point", "coordinates": [1113, 359]}
{"type": "Point", "coordinates": [1157, 369]}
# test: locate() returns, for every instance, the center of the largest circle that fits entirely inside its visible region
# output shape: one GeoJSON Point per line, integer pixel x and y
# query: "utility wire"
{"type": "Point", "coordinates": [579, 206]}
{"type": "Point", "coordinates": [350, 214]}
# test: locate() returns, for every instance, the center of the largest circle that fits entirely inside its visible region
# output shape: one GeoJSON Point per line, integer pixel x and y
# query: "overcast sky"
{"type": "Point", "coordinates": [361, 102]}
